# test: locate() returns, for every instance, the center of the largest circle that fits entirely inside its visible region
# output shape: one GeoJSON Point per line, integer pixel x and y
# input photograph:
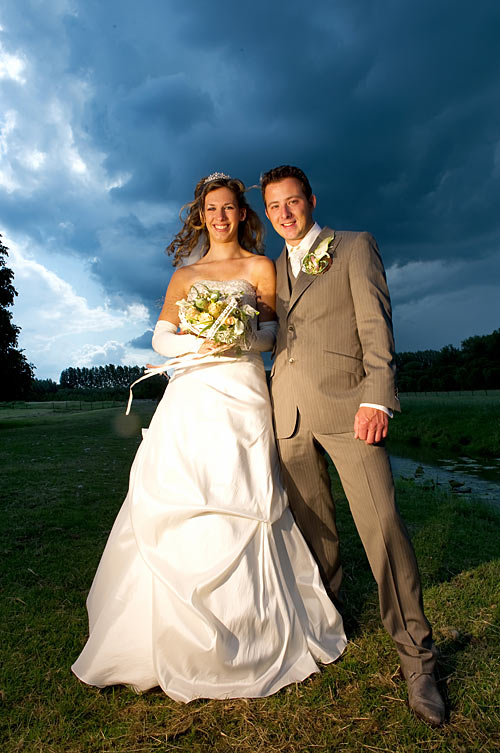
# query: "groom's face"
{"type": "Point", "coordinates": [289, 210]}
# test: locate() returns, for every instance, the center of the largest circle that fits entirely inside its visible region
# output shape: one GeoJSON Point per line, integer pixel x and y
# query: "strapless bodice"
{"type": "Point", "coordinates": [238, 288]}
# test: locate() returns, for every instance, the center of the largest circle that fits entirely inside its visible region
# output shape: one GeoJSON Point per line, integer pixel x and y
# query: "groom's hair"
{"type": "Point", "coordinates": [285, 171]}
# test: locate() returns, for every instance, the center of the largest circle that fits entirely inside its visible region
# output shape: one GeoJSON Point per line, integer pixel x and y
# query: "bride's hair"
{"type": "Point", "coordinates": [194, 232]}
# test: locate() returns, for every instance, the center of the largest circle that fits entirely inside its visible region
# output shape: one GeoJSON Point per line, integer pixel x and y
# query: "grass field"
{"type": "Point", "coordinates": [462, 423]}
{"type": "Point", "coordinates": [18, 411]}
{"type": "Point", "coordinates": [64, 477]}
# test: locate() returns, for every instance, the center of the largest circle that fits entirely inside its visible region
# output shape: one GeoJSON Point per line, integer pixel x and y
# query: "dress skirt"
{"type": "Point", "coordinates": [206, 586]}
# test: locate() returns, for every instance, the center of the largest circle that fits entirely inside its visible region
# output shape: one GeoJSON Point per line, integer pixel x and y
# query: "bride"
{"type": "Point", "coordinates": [206, 586]}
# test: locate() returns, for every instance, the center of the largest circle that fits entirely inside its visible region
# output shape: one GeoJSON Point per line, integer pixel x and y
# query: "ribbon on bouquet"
{"type": "Point", "coordinates": [185, 360]}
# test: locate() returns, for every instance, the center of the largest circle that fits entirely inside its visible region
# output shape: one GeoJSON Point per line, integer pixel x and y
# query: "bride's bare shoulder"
{"type": "Point", "coordinates": [184, 275]}
{"type": "Point", "coordinates": [259, 261]}
{"type": "Point", "coordinates": [180, 282]}
{"type": "Point", "coordinates": [262, 266]}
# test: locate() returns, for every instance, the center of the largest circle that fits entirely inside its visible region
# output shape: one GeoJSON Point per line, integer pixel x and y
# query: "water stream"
{"type": "Point", "coordinates": [462, 476]}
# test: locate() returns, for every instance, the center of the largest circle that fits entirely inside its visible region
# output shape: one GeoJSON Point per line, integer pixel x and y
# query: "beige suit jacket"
{"type": "Point", "coordinates": [335, 345]}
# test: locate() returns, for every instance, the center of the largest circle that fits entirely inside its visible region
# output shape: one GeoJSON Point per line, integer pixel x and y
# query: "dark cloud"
{"type": "Point", "coordinates": [130, 262]}
{"type": "Point", "coordinates": [392, 108]}
{"type": "Point", "coordinates": [143, 342]}
{"type": "Point", "coordinates": [171, 103]}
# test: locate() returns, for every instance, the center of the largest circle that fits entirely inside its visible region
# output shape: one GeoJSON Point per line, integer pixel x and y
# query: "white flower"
{"type": "Point", "coordinates": [315, 262]}
{"type": "Point", "coordinates": [249, 310]}
{"type": "Point", "coordinates": [239, 327]}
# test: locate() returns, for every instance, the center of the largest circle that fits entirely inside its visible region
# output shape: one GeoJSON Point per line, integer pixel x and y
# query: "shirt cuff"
{"type": "Point", "coordinates": [378, 407]}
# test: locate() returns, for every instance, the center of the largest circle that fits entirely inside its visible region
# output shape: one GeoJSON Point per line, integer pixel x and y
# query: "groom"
{"type": "Point", "coordinates": [333, 390]}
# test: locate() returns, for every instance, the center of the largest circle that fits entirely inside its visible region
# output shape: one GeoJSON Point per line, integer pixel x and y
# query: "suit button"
{"type": "Point", "coordinates": [291, 360]}
{"type": "Point", "coordinates": [291, 328]}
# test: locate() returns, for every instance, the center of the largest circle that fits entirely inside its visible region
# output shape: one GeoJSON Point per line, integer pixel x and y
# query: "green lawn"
{"type": "Point", "coordinates": [64, 478]}
{"type": "Point", "coordinates": [463, 423]}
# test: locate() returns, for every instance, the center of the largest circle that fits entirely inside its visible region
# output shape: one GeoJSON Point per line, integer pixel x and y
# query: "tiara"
{"type": "Point", "coordinates": [216, 176]}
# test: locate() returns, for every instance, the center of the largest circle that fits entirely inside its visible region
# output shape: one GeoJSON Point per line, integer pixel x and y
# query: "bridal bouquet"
{"type": "Point", "coordinates": [215, 316]}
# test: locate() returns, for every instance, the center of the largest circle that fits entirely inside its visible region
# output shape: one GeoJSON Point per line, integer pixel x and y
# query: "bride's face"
{"type": "Point", "coordinates": [222, 215]}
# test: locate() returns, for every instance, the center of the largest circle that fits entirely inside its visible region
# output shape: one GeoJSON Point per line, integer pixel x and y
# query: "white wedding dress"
{"type": "Point", "coordinates": [206, 586]}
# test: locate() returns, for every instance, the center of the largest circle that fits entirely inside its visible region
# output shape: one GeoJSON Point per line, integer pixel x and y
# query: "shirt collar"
{"type": "Point", "coordinates": [307, 241]}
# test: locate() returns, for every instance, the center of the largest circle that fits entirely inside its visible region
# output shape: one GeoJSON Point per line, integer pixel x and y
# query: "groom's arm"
{"type": "Point", "coordinates": [374, 323]}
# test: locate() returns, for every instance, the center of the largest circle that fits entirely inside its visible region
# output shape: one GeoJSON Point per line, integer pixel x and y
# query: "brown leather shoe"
{"type": "Point", "coordinates": [424, 698]}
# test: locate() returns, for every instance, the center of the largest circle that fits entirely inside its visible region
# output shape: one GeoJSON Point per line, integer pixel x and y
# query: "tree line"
{"type": "Point", "coordinates": [99, 377]}
{"type": "Point", "coordinates": [473, 366]}
{"type": "Point", "coordinates": [108, 382]}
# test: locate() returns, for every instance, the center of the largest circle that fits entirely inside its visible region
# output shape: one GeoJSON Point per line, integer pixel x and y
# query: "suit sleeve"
{"type": "Point", "coordinates": [372, 307]}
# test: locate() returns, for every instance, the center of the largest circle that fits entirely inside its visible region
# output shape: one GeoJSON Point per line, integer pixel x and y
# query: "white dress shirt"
{"type": "Point", "coordinates": [296, 255]}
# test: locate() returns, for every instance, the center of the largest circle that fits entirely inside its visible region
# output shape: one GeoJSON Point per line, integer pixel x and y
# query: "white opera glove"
{"type": "Point", "coordinates": [167, 343]}
{"type": "Point", "coordinates": [264, 338]}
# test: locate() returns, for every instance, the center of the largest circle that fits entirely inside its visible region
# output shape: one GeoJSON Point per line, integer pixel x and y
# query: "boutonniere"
{"type": "Point", "coordinates": [317, 261]}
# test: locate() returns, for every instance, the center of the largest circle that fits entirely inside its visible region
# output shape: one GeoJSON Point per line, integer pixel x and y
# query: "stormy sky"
{"type": "Point", "coordinates": [111, 111]}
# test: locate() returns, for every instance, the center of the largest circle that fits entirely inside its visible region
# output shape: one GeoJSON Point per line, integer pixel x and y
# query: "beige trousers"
{"type": "Point", "coordinates": [366, 476]}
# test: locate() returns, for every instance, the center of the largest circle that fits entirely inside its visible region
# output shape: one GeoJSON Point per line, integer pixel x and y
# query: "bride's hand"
{"type": "Point", "coordinates": [210, 346]}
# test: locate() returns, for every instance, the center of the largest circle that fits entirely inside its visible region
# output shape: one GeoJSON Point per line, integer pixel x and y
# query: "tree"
{"type": "Point", "coordinates": [16, 374]}
{"type": "Point", "coordinates": [41, 389]}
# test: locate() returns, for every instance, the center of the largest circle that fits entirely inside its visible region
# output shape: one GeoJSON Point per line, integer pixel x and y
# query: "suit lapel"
{"type": "Point", "coordinates": [304, 280]}
{"type": "Point", "coordinates": [301, 283]}
{"type": "Point", "coordinates": [282, 281]}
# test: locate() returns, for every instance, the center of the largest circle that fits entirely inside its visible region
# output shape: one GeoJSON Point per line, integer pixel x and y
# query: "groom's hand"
{"type": "Point", "coordinates": [370, 425]}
